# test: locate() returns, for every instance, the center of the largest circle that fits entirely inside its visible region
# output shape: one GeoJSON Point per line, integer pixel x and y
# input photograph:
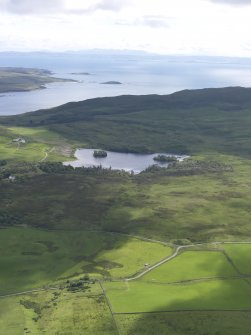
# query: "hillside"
{"type": "Point", "coordinates": [189, 121]}
{"type": "Point", "coordinates": [100, 251]}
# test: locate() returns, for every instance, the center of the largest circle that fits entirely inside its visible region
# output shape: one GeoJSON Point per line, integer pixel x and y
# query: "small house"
{"type": "Point", "coordinates": [12, 178]}
{"type": "Point", "coordinates": [19, 140]}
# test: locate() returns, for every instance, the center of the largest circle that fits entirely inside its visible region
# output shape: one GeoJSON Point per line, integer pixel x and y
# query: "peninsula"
{"type": "Point", "coordinates": [18, 79]}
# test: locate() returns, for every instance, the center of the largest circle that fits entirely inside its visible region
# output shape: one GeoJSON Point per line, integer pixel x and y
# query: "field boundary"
{"type": "Point", "coordinates": [110, 307]}
{"type": "Point", "coordinates": [199, 280]}
{"type": "Point", "coordinates": [186, 311]}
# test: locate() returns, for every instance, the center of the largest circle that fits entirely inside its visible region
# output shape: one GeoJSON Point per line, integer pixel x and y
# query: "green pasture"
{"type": "Point", "coordinates": [187, 323]}
{"type": "Point", "coordinates": [40, 144]}
{"type": "Point", "coordinates": [32, 258]}
{"type": "Point", "coordinates": [131, 253]}
{"type": "Point", "coordinates": [240, 255]}
{"type": "Point", "coordinates": [191, 265]}
{"type": "Point", "coordinates": [136, 296]}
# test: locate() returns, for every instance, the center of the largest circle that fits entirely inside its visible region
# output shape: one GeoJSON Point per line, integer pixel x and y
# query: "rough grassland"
{"type": "Point", "coordinates": [197, 207]}
{"type": "Point", "coordinates": [202, 207]}
{"type": "Point", "coordinates": [138, 296]}
{"type": "Point", "coordinates": [191, 265]}
{"type": "Point", "coordinates": [57, 312]}
{"type": "Point", "coordinates": [33, 258]}
{"type": "Point", "coordinates": [181, 206]}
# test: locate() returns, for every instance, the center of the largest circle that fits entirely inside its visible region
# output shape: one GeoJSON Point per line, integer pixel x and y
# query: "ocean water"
{"type": "Point", "coordinates": [139, 74]}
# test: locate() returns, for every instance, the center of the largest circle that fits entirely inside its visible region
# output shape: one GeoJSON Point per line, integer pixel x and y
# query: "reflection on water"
{"type": "Point", "coordinates": [117, 160]}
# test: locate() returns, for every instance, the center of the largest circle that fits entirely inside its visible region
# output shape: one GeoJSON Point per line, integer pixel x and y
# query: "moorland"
{"type": "Point", "coordinates": [100, 251]}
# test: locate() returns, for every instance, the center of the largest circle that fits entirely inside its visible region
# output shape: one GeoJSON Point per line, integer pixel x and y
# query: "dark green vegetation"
{"type": "Point", "coordinates": [199, 121]}
{"type": "Point", "coordinates": [165, 159]}
{"type": "Point", "coordinates": [202, 200]}
{"type": "Point", "coordinates": [99, 153]}
{"type": "Point", "coordinates": [16, 79]}
{"type": "Point", "coordinates": [191, 204]}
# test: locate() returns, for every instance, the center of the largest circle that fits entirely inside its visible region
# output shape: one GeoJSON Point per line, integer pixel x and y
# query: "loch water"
{"type": "Point", "coordinates": [117, 160]}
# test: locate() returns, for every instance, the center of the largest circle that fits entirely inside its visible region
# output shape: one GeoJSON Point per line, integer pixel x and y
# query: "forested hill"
{"type": "Point", "coordinates": [189, 121]}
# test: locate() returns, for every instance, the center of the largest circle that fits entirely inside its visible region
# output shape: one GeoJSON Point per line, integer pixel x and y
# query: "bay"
{"type": "Point", "coordinates": [138, 73]}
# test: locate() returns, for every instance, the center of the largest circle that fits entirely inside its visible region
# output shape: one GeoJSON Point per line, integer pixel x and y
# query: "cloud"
{"type": "Point", "coordinates": [233, 2]}
{"type": "Point", "coordinates": [106, 5]}
{"type": "Point", "coordinates": [153, 21]}
{"type": "Point", "coordinates": [59, 6]}
{"type": "Point", "coordinates": [112, 5]}
{"type": "Point", "coordinates": [31, 6]}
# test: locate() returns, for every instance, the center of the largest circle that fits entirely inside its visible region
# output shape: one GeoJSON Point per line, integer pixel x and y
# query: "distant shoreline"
{"type": "Point", "coordinates": [19, 79]}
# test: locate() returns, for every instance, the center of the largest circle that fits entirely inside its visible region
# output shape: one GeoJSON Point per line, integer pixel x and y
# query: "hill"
{"type": "Point", "coordinates": [189, 121]}
{"type": "Point", "coordinates": [108, 252]}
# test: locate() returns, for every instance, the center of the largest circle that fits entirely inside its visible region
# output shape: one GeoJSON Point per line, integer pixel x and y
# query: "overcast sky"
{"type": "Point", "coordinates": [194, 27]}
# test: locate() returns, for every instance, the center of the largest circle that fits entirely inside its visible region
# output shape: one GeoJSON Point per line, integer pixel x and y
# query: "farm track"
{"type": "Point", "coordinates": [163, 261]}
{"type": "Point", "coordinates": [47, 154]}
{"type": "Point", "coordinates": [28, 292]}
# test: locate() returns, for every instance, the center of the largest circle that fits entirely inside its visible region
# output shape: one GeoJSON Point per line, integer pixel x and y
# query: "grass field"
{"type": "Point", "coordinates": [57, 312]}
{"type": "Point", "coordinates": [33, 258]}
{"type": "Point", "coordinates": [240, 255]}
{"type": "Point", "coordinates": [138, 297]}
{"type": "Point", "coordinates": [191, 265]}
{"type": "Point", "coordinates": [131, 254]}
{"type": "Point", "coordinates": [153, 293]}
{"type": "Point", "coordinates": [187, 323]}
{"type": "Point", "coordinates": [41, 144]}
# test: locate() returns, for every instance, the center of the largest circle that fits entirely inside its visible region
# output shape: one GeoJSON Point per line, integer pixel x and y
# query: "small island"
{"type": "Point", "coordinates": [99, 154]}
{"type": "Point", "coordinates": [165, 159]}
{"type": "Point", "coordinates": [81, 73]}
{"type": "Point", "coordinates": [112, 83]}
{"type": "Point", "coordinates": [18, 79]}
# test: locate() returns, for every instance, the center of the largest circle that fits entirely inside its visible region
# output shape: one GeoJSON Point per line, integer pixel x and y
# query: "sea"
{"type": "Point", "coordinates": [139, 73]}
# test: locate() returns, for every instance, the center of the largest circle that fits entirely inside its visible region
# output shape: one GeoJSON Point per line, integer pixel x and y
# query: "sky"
{"type": "Point", "coordinates": [177, 27]}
